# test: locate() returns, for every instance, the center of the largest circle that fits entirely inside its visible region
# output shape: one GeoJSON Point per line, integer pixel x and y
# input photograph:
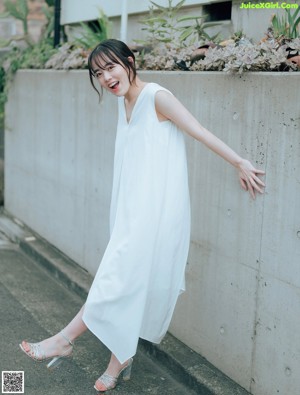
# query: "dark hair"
{"type": "Point", "coordinates": [114, 51]}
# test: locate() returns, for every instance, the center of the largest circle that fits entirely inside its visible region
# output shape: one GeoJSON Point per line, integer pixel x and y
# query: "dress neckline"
{"type": "Point", "coordinates": [128, 121]}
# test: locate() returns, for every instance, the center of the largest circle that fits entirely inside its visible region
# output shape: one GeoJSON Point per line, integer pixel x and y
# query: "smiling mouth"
{"type": "Point", "coordinates": [114, 86]}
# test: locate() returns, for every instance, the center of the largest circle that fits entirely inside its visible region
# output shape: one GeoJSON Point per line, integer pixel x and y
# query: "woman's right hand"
{"type": "Point", "coordinates": [248, 176]}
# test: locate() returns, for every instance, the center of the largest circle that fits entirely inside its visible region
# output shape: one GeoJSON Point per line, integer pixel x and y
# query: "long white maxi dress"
{"type": "Point", "coordinates": [142, 271]}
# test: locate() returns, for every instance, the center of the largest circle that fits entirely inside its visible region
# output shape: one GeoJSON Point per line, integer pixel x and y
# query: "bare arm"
{"type": "Point", "coordinates": [168, 107]}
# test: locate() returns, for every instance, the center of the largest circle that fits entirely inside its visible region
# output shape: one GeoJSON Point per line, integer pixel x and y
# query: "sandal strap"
{"type": "Point", "coordinates": [36, 351]}
{"type": "Point", "coordinates": [107, 380]}
{"type": "Point", "coordinates": [66, 338]}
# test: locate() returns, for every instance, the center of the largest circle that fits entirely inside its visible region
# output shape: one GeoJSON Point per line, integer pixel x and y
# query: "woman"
{"type": "Point", "coordinates": [142, 271]}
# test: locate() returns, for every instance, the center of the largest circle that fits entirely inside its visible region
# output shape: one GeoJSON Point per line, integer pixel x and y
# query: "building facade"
{"type": "Point", "coordinates": [232, 16]}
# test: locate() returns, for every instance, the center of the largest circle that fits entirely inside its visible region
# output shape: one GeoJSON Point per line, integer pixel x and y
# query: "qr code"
{"type": "Point", "coordinates": [12, 382]}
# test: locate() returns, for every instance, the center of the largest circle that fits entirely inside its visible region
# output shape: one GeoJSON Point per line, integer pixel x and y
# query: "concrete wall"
{"type": "Point", "coordinates": [241, 309]}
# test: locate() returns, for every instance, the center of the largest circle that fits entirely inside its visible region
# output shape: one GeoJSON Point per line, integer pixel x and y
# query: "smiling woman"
{"type": "Point", "coordinates": [141, 274]}
{"type": "Point", "coordinates": [106, 58]}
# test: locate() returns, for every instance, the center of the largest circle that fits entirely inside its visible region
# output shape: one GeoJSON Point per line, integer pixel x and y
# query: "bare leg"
{"type": "Point", "coordinates": [76, 327]}
{"type": "Point", "coordinates": [57, 344]}
{"type": "Point", "coordinates": [113, 370]}
{"type": "Point", "coordinates": [114, 366]}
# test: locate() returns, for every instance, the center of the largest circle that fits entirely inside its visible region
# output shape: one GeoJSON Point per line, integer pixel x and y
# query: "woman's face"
{"type": "Point", "coordinates": [112, 77]}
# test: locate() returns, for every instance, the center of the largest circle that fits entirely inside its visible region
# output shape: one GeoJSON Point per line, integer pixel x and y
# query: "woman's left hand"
{"type": "Point", "coordinates": [248, 177]}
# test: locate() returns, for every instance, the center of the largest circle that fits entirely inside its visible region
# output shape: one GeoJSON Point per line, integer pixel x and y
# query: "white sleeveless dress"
{"type": "Point", "coordinates": [141, 273]}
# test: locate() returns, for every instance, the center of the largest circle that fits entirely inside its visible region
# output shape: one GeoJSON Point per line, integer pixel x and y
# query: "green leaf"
{"type": "Point", "coordinates": [11, 9]}
{"type": "Point", "coordinates": [50, 3]}
{"type": "Point", "coordinates": [23, 7]}
{"type": "Point", "coordinates": [179, 5]}
{"type": "Point", "coordinates": [297, 21]}
{"type": "Point", "coordinates": [214, 37]}
{"type": "Point", "coordinates": [164, 40]}
{"type": "Point", "coordinates": [186, 33]}
{"type": "Point", "coordinates": [18, 10]}
{"type": "Point", "coordinates": [164, 9]}
{"type": "Point", "coordinates": [294, 30]}
{"type": "Point", "coordinates": [157, 20]}
{"type": "Point", "coordinates": [46, 11]}
{"type": "Point", "coordinates": [89, 37]}
{"type": "Point", "coordinates": [290, 21]}
{"type": "Point", "coordinates": [4, 43]}
{"type": "Point", "coordinates": [294, 16]}
{"type": "Point", "coordinates": [4, 15]}
{"type": "Point", "coordinates": [188, 18]}
{"type": "Point", "coordinates": [83, 42]}
{"type": "Point", "coordinates": [296, 13]}
{"type": "Point", "coordinates": [210, 24]}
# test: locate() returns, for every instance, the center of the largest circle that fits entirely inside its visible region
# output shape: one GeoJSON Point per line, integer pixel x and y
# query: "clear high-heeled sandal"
{"type": "Point", "coordinates": [107, 382]}
{"type": "Point", "coordinates": [37, 353]}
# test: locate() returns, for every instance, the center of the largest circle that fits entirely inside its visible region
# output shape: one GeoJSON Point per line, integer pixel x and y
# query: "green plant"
{"type": "Point", "coordinates": [49, 14]}
{"type": "Point", "coordinates": [238, 35]}
{"type": "Point", "coordinates": [197, 30]}
{"type": "Point", "coordinates": [286, 26]}
{"type": "Point", "coordinates": [68, 56]}
{"type": "Point", "coordinates": [34, 55]}
{"type": "Point", "coordinates": [95, 33]}
{"type": "Point", "coordinates": [165, 26]}
{"type": "Point", "coordinates": [233, 57]}
{"type": "Point", "coordinates": [28, 58]}
{"type": "Point", "coordinates": [264, 56]}
{"type": "Point", "coordinates": [20, 11]}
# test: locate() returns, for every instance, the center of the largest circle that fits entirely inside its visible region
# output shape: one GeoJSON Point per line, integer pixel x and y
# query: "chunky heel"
{"type": "Point", "coordinates": [127, 371]}
{"type": "Point", "coordinates": [55, 363]}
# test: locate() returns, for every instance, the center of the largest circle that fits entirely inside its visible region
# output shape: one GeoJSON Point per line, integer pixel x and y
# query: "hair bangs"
{"type": "Point", "coordinates": [101, 58]}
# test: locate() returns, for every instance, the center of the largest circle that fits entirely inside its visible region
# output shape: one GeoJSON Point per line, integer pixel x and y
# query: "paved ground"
{"type": "Point", "coordinates": [35, 305]}
{"type": "Point", "coordinates": [41, 290]}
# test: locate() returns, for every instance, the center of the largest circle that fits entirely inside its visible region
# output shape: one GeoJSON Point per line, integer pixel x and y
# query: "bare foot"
{"type": "Point", "coordinates": [115, 367]}
{"type": "Point", "coordinates": [51, 347]}
{"type": "Point", "coordinates": [109, 378]}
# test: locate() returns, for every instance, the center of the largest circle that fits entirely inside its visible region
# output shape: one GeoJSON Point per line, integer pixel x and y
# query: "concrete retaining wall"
{"type": "Point", "coordinates": [241, 309]}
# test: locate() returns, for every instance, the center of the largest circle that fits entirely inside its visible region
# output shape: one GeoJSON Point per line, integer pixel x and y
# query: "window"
{"type": "Point", "coordinates": [218, 11]}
